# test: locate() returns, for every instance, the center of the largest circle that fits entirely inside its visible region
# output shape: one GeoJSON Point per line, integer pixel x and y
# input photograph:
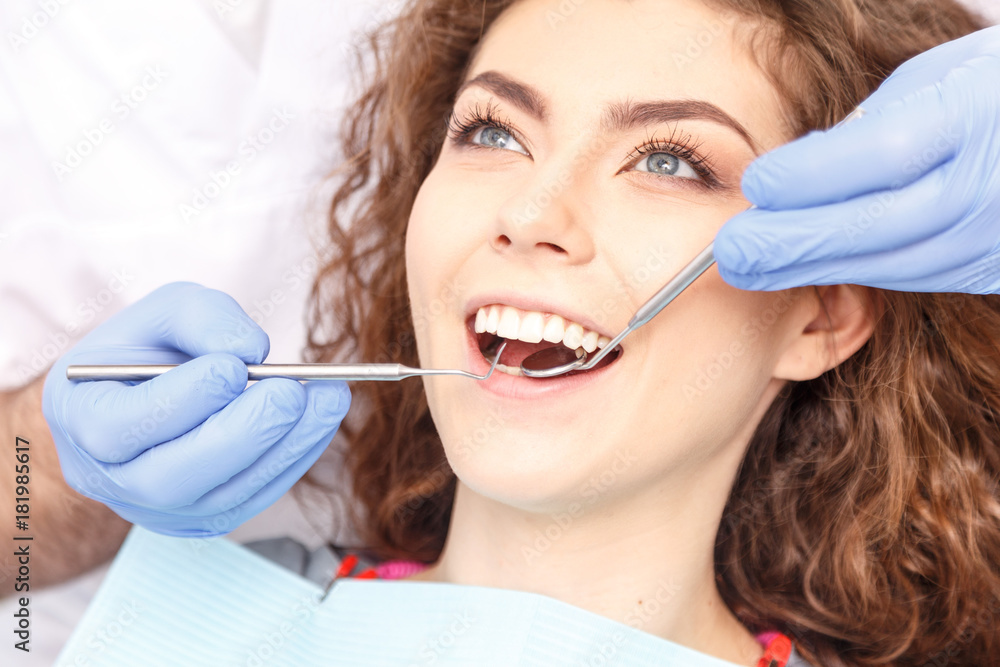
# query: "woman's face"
{"type": "Point", "coordinates": [597, 147]}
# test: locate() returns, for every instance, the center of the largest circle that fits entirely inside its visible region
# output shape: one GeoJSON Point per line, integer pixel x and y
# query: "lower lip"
{"type": "Point", "coordinates": [521, 388]}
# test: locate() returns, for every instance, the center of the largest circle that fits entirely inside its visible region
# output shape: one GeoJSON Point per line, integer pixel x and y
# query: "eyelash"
{"type": "Point", "coordinates": [461, 131]}
{"type": "Point", "coordinates": [678, 143]}
{"type": "Point", "coordinates": [683, 146]}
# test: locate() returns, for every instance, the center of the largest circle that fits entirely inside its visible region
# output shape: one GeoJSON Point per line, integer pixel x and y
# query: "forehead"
{"type": "Point", "coordinates": [585, 54]}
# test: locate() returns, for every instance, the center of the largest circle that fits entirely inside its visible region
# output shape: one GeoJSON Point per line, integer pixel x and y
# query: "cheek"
{"type": "Point", "coordinates": [426, 262]}
{"type": "Point", "coordinates": [443, 233]}
{"type": "Point", "coordinates": [417, 245]}
{"type": "Point", "coordinates": [716, 380]}
{"type": "Point", "coordinates": [423, 267]}
{"type": "Point", "coordinates": [722, 348]}
{"type": "Point", "coordinates": [433, 241]}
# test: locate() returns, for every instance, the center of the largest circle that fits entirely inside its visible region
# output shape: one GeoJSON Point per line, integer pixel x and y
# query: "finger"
{"type": "Point", "coordinates": [758, 241]}
{"type": "Point", "coordinates": [178, 472]}
{"type": "Point", "coordinates": [228, 521]}
{"type": "Point", "coordinates": [193, 319]}
{"type": "Point", "coordinates": [220, 523]}
{"type": "Point", "coordinates": [326, 404]}
{"type": "Point", "coordinates": [917, 268]}
{"type": "Point", "coordinates": [887, 149]}
{"type": "Point", "coordinates": [277, 470]}
{"type": "Point", "coordinates": [115, 422]}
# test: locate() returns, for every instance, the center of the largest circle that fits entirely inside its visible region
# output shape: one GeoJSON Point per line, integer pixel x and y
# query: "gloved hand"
{"type": "Point", "coordinates": [189, 453]}
{"type": "Point", "coordinates": [905, 198]}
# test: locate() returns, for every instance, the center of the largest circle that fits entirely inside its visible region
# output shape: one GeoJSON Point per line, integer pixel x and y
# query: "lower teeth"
{"type": "Point", "coordinates": [490, 352]}
{"type": "Point", "coordinates": [516, 370]}
{"type": "Point", "coordinates": [509, 371]}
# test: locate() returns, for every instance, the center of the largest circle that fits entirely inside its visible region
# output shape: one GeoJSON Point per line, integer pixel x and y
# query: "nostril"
{"type": "Point", "coordinates": [554, 247]}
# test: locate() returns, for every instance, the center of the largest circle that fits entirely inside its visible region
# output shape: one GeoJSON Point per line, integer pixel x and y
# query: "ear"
{"type": "Point", "coordinates": [839, 320]}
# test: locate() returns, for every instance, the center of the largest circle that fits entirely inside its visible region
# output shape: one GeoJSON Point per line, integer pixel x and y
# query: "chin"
{"type": "Point", "coordinates": [532, 472]}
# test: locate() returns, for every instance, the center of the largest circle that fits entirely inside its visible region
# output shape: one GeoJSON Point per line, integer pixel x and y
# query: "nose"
{"type": "Point", "coordinates": [545, 220]}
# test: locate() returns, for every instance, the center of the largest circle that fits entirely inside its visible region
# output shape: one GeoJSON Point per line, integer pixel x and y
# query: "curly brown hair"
{"type": "Point", "coordinates": [865, 519]}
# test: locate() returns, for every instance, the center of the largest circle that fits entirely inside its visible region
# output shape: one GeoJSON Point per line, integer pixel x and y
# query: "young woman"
{"type": "Point", "coordinates": [820, 462]}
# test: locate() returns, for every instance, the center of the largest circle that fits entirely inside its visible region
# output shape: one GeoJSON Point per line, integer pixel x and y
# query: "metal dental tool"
{"type": "Point", "coordinates": [560, 359]}
{"type": "Point", "coordinates": [386, 372]}
{"type": "Point", "coordinates": [539, 364]}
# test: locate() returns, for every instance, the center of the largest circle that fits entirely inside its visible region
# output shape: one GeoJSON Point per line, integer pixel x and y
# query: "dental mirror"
{"type": "Point", "coordinates": [540, 364]}
{"type": "Point", "coordinates": [553, 361]}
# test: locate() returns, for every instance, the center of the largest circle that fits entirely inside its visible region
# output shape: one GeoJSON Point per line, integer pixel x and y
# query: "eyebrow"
{"type": "Point", "coordinates": [618, 117]}
{"type": "Point", "coordinates": [627, 115]}
{"type": "Point", "coordinates": [521, 95]}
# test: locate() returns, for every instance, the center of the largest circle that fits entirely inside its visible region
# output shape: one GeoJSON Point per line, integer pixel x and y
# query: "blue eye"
{"type": "Point", "coordinates": [495, 137]}
{"type": "Point", "coordinates": [665, 164]}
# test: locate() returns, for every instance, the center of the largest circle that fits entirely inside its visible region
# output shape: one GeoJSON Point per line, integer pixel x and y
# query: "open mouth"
{"type": "Point", "coordinates": [518, 350]}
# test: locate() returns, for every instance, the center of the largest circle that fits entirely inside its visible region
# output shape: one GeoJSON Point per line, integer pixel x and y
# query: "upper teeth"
{"type": "Point", "coordinates": [534, 327]}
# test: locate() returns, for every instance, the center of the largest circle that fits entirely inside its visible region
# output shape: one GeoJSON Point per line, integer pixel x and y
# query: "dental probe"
{"type": "Point", "coordinates": [383, 372]}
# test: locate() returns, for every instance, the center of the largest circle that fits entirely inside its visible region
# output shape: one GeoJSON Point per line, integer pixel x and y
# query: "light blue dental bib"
{"type": "Point", "coordinates": [176, 601]}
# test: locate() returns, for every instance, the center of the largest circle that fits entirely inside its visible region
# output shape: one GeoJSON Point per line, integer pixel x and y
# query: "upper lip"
{"type": "Point", "coordinates": [528, 302]}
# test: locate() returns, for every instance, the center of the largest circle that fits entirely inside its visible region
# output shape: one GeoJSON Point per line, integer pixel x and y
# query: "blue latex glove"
{"type": "Point", "coordinates": [904, 198]}
{"type": "Point", "coordinates": [194, 452]}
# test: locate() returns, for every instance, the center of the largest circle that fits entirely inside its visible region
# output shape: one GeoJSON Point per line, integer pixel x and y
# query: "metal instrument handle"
{"type": "Point", "coordinates": [124, 373]}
